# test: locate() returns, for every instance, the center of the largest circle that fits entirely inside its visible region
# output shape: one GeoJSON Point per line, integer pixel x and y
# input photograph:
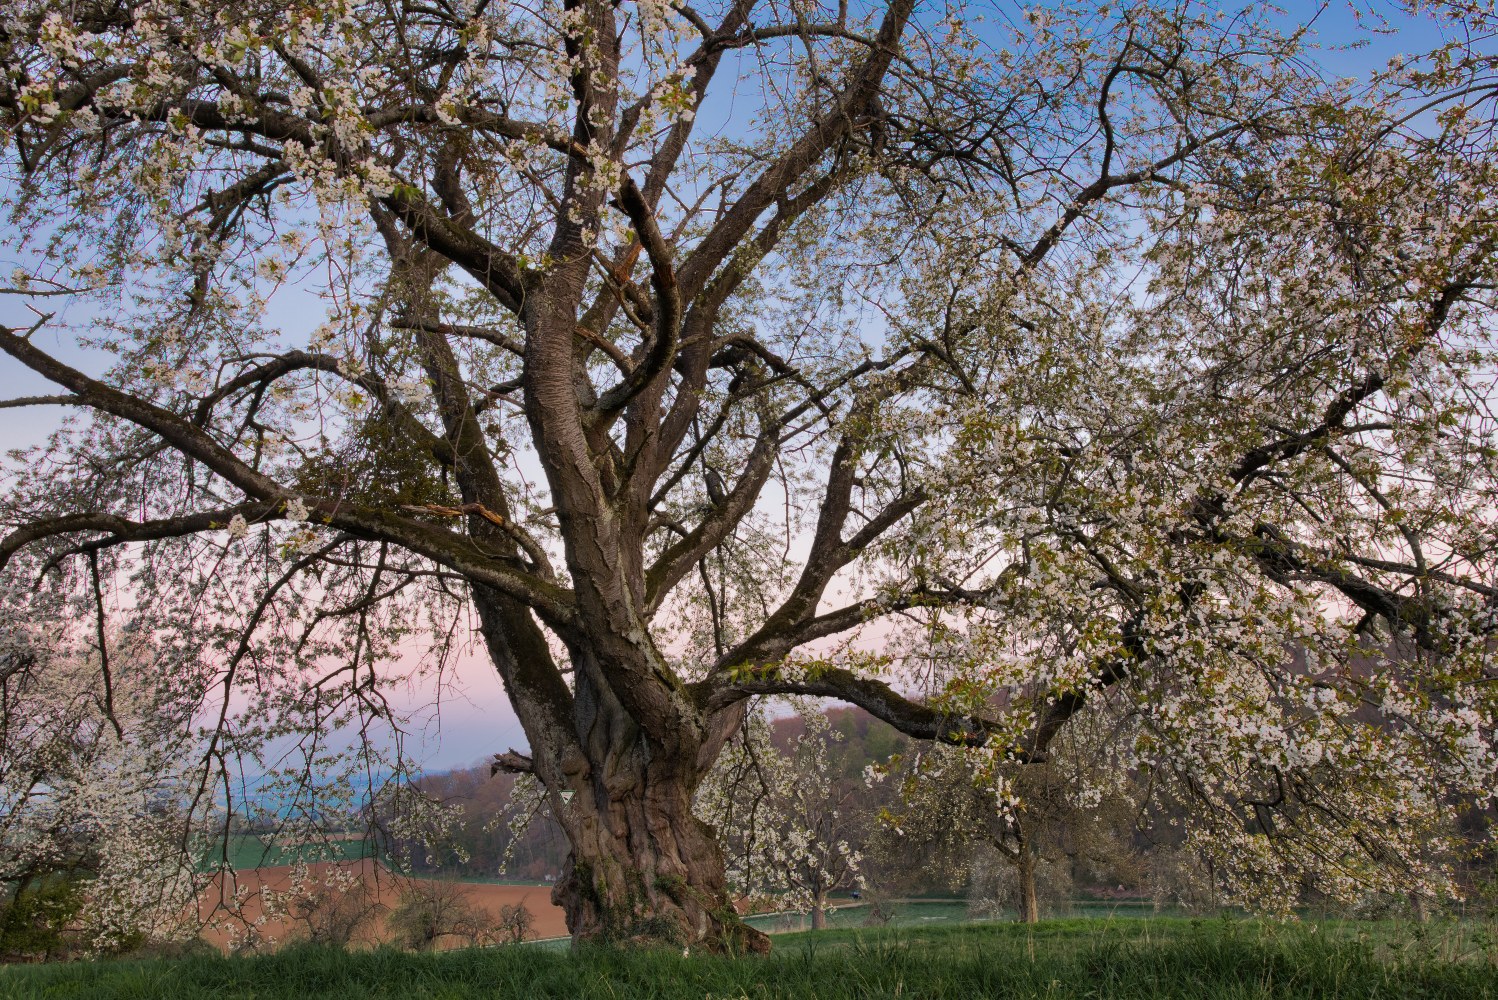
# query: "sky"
{"type": "Point", "coordinates": [473, 720]}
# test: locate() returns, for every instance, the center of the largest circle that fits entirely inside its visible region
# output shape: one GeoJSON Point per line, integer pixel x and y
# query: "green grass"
{"type": "Point", "coordinates": [847, 915]}
{"type": "Point", "coordinates": [245, 851]}
{"type": "Point", "coordinates": [1059, 960]}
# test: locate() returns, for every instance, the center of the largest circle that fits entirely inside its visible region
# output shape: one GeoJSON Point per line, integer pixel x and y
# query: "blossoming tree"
{"type": "Point", "coordinates": [789, 825]}
{"type": "Point", "coordinates": [92, 761]}
{"type": "Point", "coordinates": [680, 346]}
{"type": "Point", "coordinates": [1079, 805]}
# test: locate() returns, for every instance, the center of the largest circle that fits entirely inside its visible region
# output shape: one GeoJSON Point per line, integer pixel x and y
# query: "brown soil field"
{"type": "Point", "coordinates": [333, 892]}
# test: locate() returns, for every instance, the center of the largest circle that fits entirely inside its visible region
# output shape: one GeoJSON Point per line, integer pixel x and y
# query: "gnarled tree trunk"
{"type": "Point", "coordinates": [643, 869]}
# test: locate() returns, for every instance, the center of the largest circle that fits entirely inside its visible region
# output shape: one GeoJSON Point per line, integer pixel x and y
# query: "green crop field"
{"type": "Point", "coordinates": [1128, 958]}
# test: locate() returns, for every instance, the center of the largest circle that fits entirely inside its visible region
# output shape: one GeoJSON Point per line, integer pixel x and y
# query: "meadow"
{"type": "Point", "coordinates": [1126, 959]}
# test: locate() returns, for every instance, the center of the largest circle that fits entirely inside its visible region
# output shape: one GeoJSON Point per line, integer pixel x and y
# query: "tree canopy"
{"type": "Point", "coordinates": [965, 364]}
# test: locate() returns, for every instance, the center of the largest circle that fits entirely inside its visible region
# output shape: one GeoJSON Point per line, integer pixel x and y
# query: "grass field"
{"type": "Point", "coordinates": [848, 914]}
{"type": "Point", "coordinates": [1059, 960]}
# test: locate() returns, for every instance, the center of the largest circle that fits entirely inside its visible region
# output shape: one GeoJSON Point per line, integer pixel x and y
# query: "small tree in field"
{"type": "Point", "coordinates": [791, 827]}
{"type": "Point", "coordinates": [330, 905]}
{"type": "Point", "coordinates": [515, 923]}
{"type": "Point", "coordinates": [684, 354]}
{"type": "Point", "coordinates": [432, 909]}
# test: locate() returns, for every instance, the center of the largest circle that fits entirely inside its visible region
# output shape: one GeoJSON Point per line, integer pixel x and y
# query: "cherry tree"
{"type": "Point", "coordinates": [790, 826]}
{"type": "Point", "coordinates": [675, 351]}
{"type": "Point", "coordinates": [92, 767]}
{"type": "Point", "coordinates": [1080, 804]}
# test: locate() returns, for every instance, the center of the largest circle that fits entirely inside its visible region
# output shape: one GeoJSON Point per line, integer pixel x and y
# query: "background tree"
{"type": "Point", "coordinates": [996, 826]}
{"type": "Point", "coordinates": [433, 909]}
{"type": "Point", "coordinates": [1117, 315]}
{"type": "Point", "coordinates": [91, 791]}
{"type": "Point", "coordinates": [330, 905]}
{"type": "Point", "coordinates": [494, 828]}
{"type": "Point", "coordinates": [791, 824]}
{"type": "Point", "coordinates": [514, 923]}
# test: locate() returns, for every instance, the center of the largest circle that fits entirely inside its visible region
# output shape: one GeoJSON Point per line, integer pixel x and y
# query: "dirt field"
{"type": "Point", "coordinates": [333, 893]}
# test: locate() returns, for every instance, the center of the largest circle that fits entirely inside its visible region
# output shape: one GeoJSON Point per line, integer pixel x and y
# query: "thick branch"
{"type": "Point", "coordinates": [512, 762]}
{"type": "Point", "coordinates": [667, 305]}
{"type": "Point", "coordinates": [456, 552]}
{"type": "Point", "coordinates": [182, 435]}
{"type": "Point", "coordinates": [677, 561]}
{"type": "Point", "coordinates": [873, 696]}
{"type": "Point", "coordinates": [119, 530]}
{"type": "Point", "coordinates": [497, 271]}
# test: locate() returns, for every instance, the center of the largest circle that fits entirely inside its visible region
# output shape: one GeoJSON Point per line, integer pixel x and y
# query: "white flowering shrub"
{"type": "Point", "coordinates": [95, 767]}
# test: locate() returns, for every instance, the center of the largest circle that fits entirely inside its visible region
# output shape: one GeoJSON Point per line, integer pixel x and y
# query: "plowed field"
{"type": "Point", "coordinates": [356, 887]}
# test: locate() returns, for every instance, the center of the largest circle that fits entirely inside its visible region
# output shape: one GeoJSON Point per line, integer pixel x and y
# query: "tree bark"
{"type": "Point", "coordinates": [1029, 903]}
{"type": "Point", "coordinates": [819, 912]}
{"type": "Point", "coordinates": [643, 870]}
